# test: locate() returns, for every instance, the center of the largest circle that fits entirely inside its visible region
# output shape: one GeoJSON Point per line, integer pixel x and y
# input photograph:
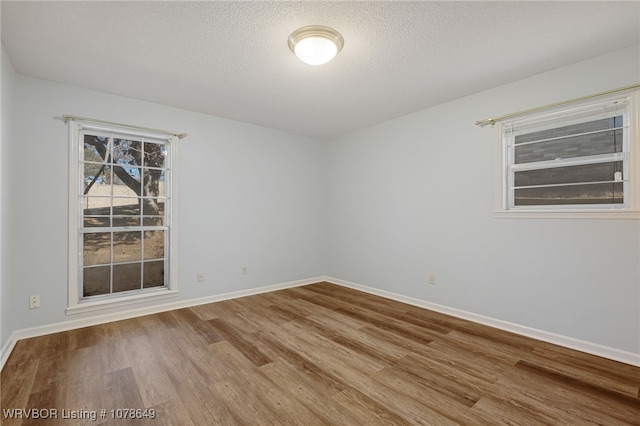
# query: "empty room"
{"type": "Point", "coordinates": [320, 212]}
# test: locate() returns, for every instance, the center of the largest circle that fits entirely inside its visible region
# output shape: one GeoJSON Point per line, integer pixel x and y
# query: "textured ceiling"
{"type": "Point", "coordinates": [231, 59]}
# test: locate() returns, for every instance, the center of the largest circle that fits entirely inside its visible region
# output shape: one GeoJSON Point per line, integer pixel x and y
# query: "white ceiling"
{"type": "Point", "coordinates": [231, 59]}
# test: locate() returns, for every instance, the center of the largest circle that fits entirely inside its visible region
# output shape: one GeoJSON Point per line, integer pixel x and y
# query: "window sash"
{"type": "Point", "coordinates": [111, 160]}
{"type": "Point", "coordinates": [551, 121]}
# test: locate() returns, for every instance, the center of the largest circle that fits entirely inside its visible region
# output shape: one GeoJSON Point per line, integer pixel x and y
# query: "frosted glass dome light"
{"type": "Point", "coordinates": [315, 45]}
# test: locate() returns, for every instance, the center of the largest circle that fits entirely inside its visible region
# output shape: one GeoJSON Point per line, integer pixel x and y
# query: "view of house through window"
{"type": "Point", "coordinates": [576, 158]}
{"type": "Point", "coordinates": [123, 225]}
{"type": "Point", "coordinates": [591, 183]}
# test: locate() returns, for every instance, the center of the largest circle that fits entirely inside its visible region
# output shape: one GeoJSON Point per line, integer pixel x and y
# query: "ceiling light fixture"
{"type": "Point", "coordinates": [315, 44]}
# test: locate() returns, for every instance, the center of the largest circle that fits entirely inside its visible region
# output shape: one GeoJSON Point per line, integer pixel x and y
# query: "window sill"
{"type": "Point", "coordinates": [568, 214]}
{"type": "Point", "coordinates": [98, 305]}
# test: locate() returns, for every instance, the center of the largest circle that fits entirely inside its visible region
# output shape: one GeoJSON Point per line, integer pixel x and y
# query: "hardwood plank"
{"type": "Point", "coordinates": [567, 397]}
{"type": "Point", "coordinates": [153, 382]}
{"type": "Point", "coordinates": [28, 350]}
{"type": "Point", "coordinates": [439, 403]}
{"type": "Point", "coordinates": [191, 358]}
{"type": "Point", "coordinates": [370, 411]}
{"type": "Point", "coordinates": [190, 320]}
{"type": "Point", "coordinates": [51, 369]}
{"type": "Point", "coordinates": [276, 297]}
{"type": "Point", "coordinates": [232, 312]}
{"type": "Point", "coordinates": [52, 396]}
{"type": "Point", "coordinates": [169, 413]}
{"type": "Point", "coordinates": [522, 403]}
{"type": "Point", "coordinates": [17, 379]}
{"type": "Point", "coordinates": [496, 352]}
{"type": "Point", "coordinates": [383, 322]}
{"type": "Point", "coordinates": [236, 338]}
{"type": "Point", "coordinates": [465, 361]}
{"type": "Point", "coordinates": [506, 412]}
{"type": "Point", "coordinates": [305, 390]}
{"type": "Point", "coordinates": [121, 390]}
{"type": "Point", "coordinates": [618, 377]}
{"type": "Point", "coordinates": [323, 379]}
{"type": "Point", "coordinates": [256, 398]}
{"type": "Point", "coordinates": [381, 306]}
{"type": "Point", "coordinates": [343, 363]}
{"type": "Point", "coordinates": [92, 361]}
{"type": "Point", "coordinates": [132, 327]}
{"type": "Point", "coordinates": [85, 390]}
{"type": "Point", "coordinates": [194, 383]}
{"type": "Point", "coordinates": [305, 308]}
{"type": "Point", "coordinates": [261, 315]}
{"type": "Point", "coordinates": [394, 339]}
{"type": "Point", "coordinates": [450, 380]}
{"type": "Point", "coordinates": [327, 302]}
{"type": "Point", "coordinates": [86, 337]}
{"type": "Point", "coordinates": [311, 355]}
{"type": "Point", "coordinates": [400, 401]}
{"type": "Point", "coordinates": [331, 350]}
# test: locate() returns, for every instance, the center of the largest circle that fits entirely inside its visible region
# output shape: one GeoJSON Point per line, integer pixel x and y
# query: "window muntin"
{"type": "Point", "coordinates": [123, 220]}
{"type": "Point", "coordinates": [577, 159]}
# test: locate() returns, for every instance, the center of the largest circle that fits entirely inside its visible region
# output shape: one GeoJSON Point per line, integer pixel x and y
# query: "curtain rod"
{"type": "Point", "coordinates": [493, 121]}
{"type": "Point", "coordinates": [68, 117]}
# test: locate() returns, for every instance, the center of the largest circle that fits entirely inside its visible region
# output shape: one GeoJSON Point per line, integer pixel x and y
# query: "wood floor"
{"type": "Point", "coordinates": [318, 354]}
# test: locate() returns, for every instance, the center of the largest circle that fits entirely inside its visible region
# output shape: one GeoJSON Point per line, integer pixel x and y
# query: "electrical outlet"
{"type": "Point", "coordinates": [432, 279]}
{"type": "Point", "coordinates": [244, 270]}
{"type": "Point", "coordinates": [200, 277]}
{"type": "Point", "coordinates": [34, 302]}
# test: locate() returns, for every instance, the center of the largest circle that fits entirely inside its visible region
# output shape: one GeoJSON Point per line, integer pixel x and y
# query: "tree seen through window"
{"type": "Point", "coordinates": [124, 230]}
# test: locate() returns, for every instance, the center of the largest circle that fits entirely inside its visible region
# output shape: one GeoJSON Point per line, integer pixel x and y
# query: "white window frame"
{"type": "Point", "coordinates": [76, 304]}
{"type": "Point", "coordinates": [631, 207]}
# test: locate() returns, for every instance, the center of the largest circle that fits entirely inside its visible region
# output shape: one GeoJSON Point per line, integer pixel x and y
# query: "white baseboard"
{"type": "Point", "coordinates": [568, 342]}
{"type": "Point", "coordinates": [557, 339]}
{"type": "Point", "coordinates": [6, 349]}
{"type": "Point", "coordinates": [42, 330]}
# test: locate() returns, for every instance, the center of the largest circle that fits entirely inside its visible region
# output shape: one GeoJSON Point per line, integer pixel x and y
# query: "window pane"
{"type": "Point", "coordinates": [126, 159]}
{"type": "Point", "coordinates": [153, 221]}
{"type": "Point", "coordinates": [96, 281]}
{"type": "Point", "coordinates": [119, 221]}
{"type": "Point", "coordinates": [154, 154]}
{"type": "Point", "coordinates": [97, 221]}
{"type": "Point", "coordinates": [575, 146]}
{"type": "Point", "coordinates": [127, 246]}
{"type": "Point", "coordinates": [161, 185]}
{"type": "Point", "coordinates": [153, 207]}
{"type": "Point", "coordinates": [153, 180]}
{"type": "Point", "coordinates": [153, 274]}
{"type": "Point", "coordinates": [94, 180]}
{"type": "Point", "coordinates": [126, 206]}
{"type": "Point", "coordinates": [95, 148]}
{"type": "Point", "coordinates": [96, 206]}
{"type": "Point", "coordinates": [604, 193]}
{"type": "Point", "coordinates": [126, 277]}
{"type": "Point", "coordinates": [126, 181]}
{"type": "Point", "coordinates": [127, 152]}
{"type": "Point", "coordinates": [96, 248]}
{"type": "Point", "coordinates": [601, 172]}
{"type": "Point", "coordinates": [564, 131]}
{"type": "Point", "coordinates": [154, 244]}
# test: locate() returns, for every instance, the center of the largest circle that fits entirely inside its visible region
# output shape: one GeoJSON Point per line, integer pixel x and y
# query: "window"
{"type": "Point", "coordinates": [121, 233]}
{"type": "Point", "coordinates": [576, 161]}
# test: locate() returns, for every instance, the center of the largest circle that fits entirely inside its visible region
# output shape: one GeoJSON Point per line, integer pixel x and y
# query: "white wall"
{"type": "Point", "coordinates": [415, 196]}
{"type": "Point", "coordinates": [247, 196]}
{"type": "Point", "coordinates": [6, 97]}
{"type": "Point", "coordinates": [383, 207]}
